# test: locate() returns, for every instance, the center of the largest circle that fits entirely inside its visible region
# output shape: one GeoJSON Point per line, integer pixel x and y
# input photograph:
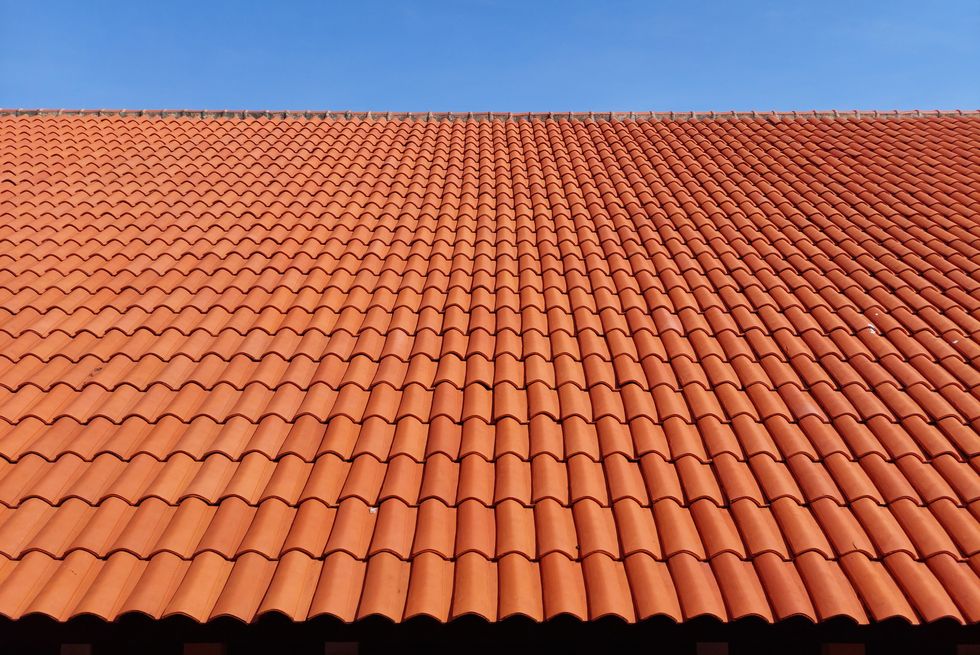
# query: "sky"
{"type": "Point", "coordinates": [470, 55]}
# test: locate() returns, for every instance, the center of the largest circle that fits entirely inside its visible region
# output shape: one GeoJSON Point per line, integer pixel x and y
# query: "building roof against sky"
{"type": "Point", "coordinates": [593, 365]}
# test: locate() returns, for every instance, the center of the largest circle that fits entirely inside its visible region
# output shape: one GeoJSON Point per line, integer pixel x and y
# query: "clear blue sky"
{"type": "Point", "coordinates": [535, 55]}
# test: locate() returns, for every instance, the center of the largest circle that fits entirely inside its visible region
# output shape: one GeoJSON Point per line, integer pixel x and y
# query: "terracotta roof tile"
{"type": "Point", "coordinates": [736, 380]}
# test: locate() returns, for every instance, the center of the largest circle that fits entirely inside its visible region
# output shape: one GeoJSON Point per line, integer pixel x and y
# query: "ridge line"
{"type": "Point", "coordinates": [497, 116]}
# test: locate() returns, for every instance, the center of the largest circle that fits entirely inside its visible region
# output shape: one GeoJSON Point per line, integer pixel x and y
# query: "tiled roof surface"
{"type": "Point", "coordinates": [531, 367]}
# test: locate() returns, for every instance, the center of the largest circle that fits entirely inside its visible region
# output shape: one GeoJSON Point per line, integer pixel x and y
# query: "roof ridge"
{"type": "Point", "coordinates": [492, 116]}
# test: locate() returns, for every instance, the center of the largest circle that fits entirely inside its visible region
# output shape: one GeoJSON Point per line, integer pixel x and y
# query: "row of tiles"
{"type": "Point", "coordinates": [394, 197]}
{"type": "Point", "coordinates": [396, 191]}
{"type": "Point", "coordinates": [455, 216]}
{"type": "Point", "coordinates": [338, 161]}
{"type": "Point", "coordinates": [681, 260]}
{"type": "Point", "coordinates": [329, 478]}
{"type": "Point", "coordinates": [715, 289]}
{"type": "Point", "coordinates": [362, 313]}
{"type": "Point", "coordinates": [491, 267]}
{"type": "Point", "coordinates": [486, 322]}
{"type": "Point", "coordinates": [397, 204]}
{"type": "Point", "coordinates": [232, 528]}
{"type": "Point", "coordinates": [273, 370]}
{"type": "Point", "coordinates": [807, 198]}
{"type": "Point", "coordinates": [365, 260]}
{"type": "Point", "coordinates": [301, 587]}
{"type": "Point", "coordinates": [529, 258]}
{"type": "Point", "coordinates": [438, 215]}
{"type": "Point", "coordinates": [503, 402]}
{"type": "Point", "coordinates": [459, 308]}
{"type": "Point", "coordinates": [335, 164]}
{"type": "Point", "coordinates": [440, 222]}
{"type": "Point", "coordinates": [428, 359]}
{"type": "Point", "coordinates": [523, 194]}
{"type": "Point", "coordinates": [307, 438]}
{"type": "Point", "coordinates": [333, 175]}
{"type": "Point", "coordinates": [912, 308]}
{"type": "Point", "coordinates": [636, 331]}
{"type": "Point", "coordinates": [322, 189]}
{"type": "Point", "coordinates": [468, 311]}
{"type": "Point", "coordinates": [930, 357]}
{"type": "Point", "coordinates": [395, 200]}
{"type": "Point", "coordinates": [491, 303]}
{"type": "Point", "coordinates": [256, 401]}
{"type": "Point", "coordinates": [350, 153]}
{"type": "Point", "coordinates": [526, 288]}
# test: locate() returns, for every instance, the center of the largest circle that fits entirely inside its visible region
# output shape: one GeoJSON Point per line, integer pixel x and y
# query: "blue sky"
{"type": "Point", "coordinates": [468, 55]}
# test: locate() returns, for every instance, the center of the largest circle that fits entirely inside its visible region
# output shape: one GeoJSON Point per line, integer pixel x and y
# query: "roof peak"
{"type": "Point", "coordinates": [494, 116]}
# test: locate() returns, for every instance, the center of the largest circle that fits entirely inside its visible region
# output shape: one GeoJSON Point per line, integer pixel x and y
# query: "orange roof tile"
{"type": "Point", "coordinates": [364, 365]}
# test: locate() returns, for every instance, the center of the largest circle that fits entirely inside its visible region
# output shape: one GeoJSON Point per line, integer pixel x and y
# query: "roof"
{"type": "Point", "coordinates": [531, 367]}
